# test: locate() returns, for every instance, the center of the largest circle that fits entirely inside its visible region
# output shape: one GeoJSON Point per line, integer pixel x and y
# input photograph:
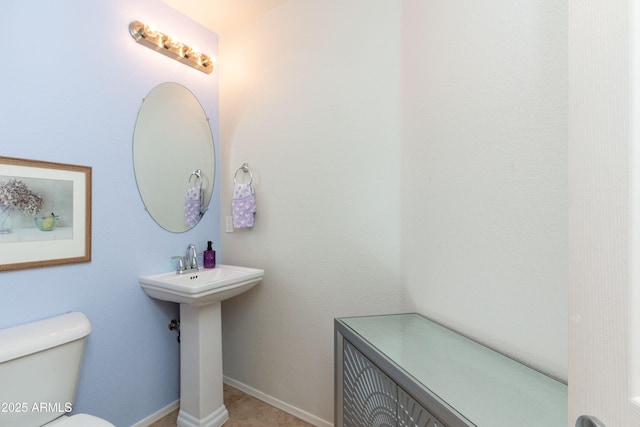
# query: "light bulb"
{"type": "Point", "coordinates": [149, 31]}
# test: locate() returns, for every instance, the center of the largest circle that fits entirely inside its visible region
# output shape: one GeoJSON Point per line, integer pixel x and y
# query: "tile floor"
{"type": "Point", "coordinates": [245, 411]}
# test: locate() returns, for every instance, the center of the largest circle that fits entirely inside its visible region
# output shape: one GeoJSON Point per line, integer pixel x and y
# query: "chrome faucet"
{"type": "Point", "coordinates": [191, 257]}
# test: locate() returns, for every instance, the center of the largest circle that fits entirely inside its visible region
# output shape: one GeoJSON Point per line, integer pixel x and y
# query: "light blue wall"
{"type": "Point", "coordinates": [72, 82]}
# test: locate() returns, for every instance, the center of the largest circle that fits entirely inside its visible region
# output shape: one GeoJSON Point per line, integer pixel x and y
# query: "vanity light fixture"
{"type": "Point", "coordinates": [170, 47]}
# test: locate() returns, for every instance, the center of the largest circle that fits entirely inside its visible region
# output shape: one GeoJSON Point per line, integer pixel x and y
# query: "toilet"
{"type": "Point", "coordinates": [39, 369]}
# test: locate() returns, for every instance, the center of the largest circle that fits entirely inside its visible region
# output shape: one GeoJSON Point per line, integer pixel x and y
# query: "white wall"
{"type": "Point", "coordinates": [310, 100]}
{"type": "Point", "coordinates": [406, 156]}
{"type": "Point", "coordinates": [485, 196]}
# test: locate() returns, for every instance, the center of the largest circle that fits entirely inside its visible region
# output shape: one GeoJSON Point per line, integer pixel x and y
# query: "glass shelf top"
{"type": "Point", "coordinates": [488, 388]}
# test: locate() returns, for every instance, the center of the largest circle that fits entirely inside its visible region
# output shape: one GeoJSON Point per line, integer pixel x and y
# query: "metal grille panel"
{"type": "Point", "coordinates": [370, 397]}
{"type": "Point", "coordinates": [412, 414]}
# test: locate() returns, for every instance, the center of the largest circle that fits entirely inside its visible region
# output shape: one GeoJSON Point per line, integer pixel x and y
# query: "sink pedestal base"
{"type": "Point", "coordinates": [201, 393]}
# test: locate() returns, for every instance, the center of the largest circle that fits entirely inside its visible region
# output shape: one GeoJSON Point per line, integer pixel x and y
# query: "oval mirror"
{"type": "Point", "coordinates": [173, 157]}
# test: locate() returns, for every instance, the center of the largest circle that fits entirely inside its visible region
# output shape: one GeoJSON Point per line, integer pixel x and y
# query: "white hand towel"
{"type": "Point", "coordinates": [244, 205]}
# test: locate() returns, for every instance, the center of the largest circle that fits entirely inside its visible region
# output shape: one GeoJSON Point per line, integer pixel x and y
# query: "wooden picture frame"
{"type": "Point", "coordinates": [59, 195]}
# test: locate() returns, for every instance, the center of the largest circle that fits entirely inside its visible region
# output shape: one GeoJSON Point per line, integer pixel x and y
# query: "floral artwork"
{"type": "Point", "coordinates": [45, 203]}
{"type": "Point", "coordinates": [26, 197]}
{"type": "Point", "coordinates": [16, 194]}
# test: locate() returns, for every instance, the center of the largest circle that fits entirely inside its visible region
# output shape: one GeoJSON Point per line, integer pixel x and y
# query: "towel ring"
{"type": "Point", "coordinates": [244, 168]}
{"type": "Point", "coordinates": [198, 180]}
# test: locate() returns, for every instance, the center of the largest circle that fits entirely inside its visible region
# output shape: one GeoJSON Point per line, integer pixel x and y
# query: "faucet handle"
{"type": "Point", "coordinates": [181, 266]}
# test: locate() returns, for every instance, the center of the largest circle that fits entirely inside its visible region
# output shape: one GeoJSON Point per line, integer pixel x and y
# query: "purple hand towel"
{"type": "Point", "coordinates": [244, 205]}
{"type": "Point", "coordinates": [192, 207]}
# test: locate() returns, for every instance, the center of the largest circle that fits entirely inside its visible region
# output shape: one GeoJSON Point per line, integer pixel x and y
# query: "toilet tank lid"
{"type": "Point", "coordinates": [18, 341]}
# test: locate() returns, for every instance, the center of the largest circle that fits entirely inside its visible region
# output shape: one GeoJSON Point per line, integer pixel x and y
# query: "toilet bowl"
{"type": "Point", "coordinates": [79, 420]}
{"type": "Point", "coordinates": [39, 369]}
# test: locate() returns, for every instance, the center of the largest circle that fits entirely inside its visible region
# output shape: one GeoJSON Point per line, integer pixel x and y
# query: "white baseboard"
{"type": "Point", "coordinates": [303, 415]}
{"type": "Point", "coordinates": [158, 415]}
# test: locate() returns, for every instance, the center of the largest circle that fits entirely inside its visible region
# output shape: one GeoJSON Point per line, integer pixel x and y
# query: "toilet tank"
{"type": "Point", "coordinates": [39, 367]}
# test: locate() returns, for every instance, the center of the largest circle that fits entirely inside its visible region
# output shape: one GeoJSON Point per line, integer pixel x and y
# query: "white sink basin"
{"type": "Point", "coordinates": [206, 286]}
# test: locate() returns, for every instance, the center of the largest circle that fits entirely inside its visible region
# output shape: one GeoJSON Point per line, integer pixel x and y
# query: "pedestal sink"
{"type": "Point", "coordinates": [199, 294]}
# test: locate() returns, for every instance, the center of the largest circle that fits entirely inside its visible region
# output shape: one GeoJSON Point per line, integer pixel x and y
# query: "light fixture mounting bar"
{"type": "Point", "coordinates": [170, 47]}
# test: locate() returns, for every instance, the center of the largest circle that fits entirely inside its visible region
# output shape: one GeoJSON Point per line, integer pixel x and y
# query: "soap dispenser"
{"type": "Point", "coordinates": [209, 256]}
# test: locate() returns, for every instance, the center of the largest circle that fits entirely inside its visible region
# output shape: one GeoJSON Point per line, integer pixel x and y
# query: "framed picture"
{"type": "Point", "coordinates": [45, 214]}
